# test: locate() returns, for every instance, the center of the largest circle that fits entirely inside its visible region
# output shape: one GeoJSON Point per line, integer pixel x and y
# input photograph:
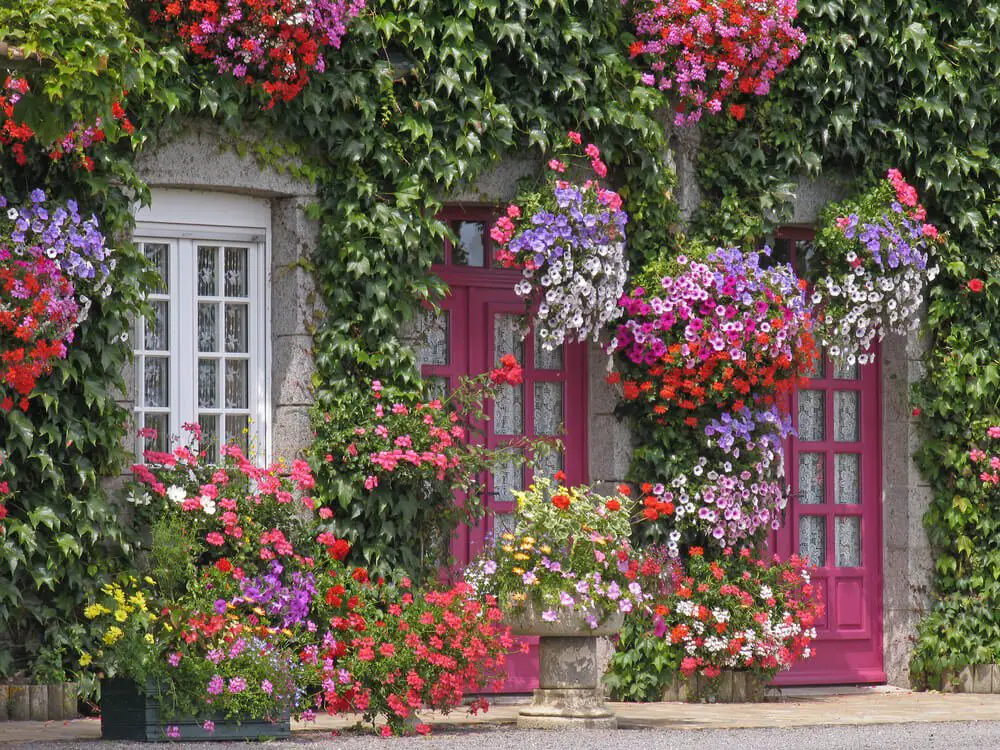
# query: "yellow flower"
{"type": "Point", "coordinates": [508, 536]}
{"type": "Point", "coordinates": [95, 610]}
{"type": "Point", "coordinates": [85, 659]}
{"type": "Point", "coordinates": [519, 571]}
{"type": "Point", "coordinates": [149, 580]}
{"type": "Point", "coordinates": [520, 597]}
{"type": "Point", "coordinates": [507, 548]}
{"type": "Point", "coordinates": [148, 638]}
{"type": "Point", "coordinates": [139, 600]}
{"type": "Point", "coordinates": [113, 635]}
{"type": "Point", "coordinates": [529, 540]}
{"type": "Point", "coordinates": [121, 615]}
{"type": "Point", "coordinates": [545, 549]}
{"type": "Point", "coordinates": [521, 556]}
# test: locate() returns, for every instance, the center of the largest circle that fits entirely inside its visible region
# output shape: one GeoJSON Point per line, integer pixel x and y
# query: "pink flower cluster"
{"type": "Point", "coordinates": [989, 464]}
{"type": "Point", "coordinates": [708, 51]}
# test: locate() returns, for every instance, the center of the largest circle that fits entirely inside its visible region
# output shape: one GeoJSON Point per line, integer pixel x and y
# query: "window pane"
{"type": "Point", "coordinates": [157, 331]}
{"type": "Point", "coordinates": [818, 369]}
{"type": "Point", "coordinates": [208, 383]}
{"type": "Point", "coordinates": [846, 416]}
{"type": "Point", "coordinates": [432, 332]}
{"type": "Point", "coordinates": [209, 436]}
{"type": "Point", "coordinates": [812, 539]}
{"type": "Point", "coordinates": [847, 480]}
{"type": "Point", "coordinates": [208, 327]}
{"type": "Point", "coordinates": [508, 417]}
{"type": "Point", "coordinates": [847, 537]}
{"type": "Point", "coordinates": [506, 478]}
{"type": "Point", "coordinates": [237, 324]}
{"type": "Point", "coordinates": [236, 272]}
{"type": "Point", "coordinates": [155, 383]}
{"type": "Point", "coordinates": [812, 415]}
{"type": "Point", "coordinates": [160, 423]}
{"type": "Point", "coordinates": [238, 431]}
{"type": "Point", "coordinates": [508, 337]}
{"type": "Point", "coordinates": [237, 384]}
{"type": "Point", "coordinates": [549, 464]}
{"type": "Point", "coordinates": [546, 359]}
{"type": "Point", "coordinates": [503, 523]}
{"type": "Point", "coordinates": [844, 371]}
{"type": "Point", "coordinates": [470, 250]}
{"type": "Point", "coordinates": [548, 408]}
{"type": "Point", "coordinates": [437, 387]}
{"type": "Point", "coordinates": [158, 255]}
{"type": "Point", "coordinates": [208, 273]}
{"type": "Point", "coordinates": [811, 478]}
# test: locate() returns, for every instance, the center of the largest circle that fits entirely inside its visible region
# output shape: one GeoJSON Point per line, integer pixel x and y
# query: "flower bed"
{"type": "Point", "coordinates": [569, 241]}
{"type": "Point", "coordinates": [740, 612]}
{"type": "Point", "coordinates": [707, 53]}
{"type": "Point", "coordinates": [874, 254]}
{"type": "Point", "coordinates": [248, 610]}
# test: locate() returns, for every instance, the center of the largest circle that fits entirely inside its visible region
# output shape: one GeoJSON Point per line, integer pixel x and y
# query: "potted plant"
{"type": "Point", "coordinates": [727, 626]}
{"type": "Point", "coordinates": [567, 574]}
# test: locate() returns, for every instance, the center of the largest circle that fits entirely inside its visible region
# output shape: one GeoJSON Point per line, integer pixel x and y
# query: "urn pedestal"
{"type": "Point", "coordinates": [569, 690]}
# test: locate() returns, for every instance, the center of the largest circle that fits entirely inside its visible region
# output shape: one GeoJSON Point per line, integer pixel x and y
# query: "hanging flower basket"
{"type": "Point", "coordinates": [705, 54]}
{"type": "Point", "coordinates": [273, 45]}
{"type": "Point", "coordinates": [568, 239]}
{"type": "Point", "coordinates": [875, 260]}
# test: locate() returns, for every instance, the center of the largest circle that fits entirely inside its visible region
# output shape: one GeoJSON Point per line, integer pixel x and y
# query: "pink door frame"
{"type": "Point", "coordinates": [849, 647]}
{"type": "Point", "coordinates": [476, 295]}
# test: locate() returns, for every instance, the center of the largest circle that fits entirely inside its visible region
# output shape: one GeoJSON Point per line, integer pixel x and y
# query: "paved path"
{"type": "Point", "coordinates": [862, 718]}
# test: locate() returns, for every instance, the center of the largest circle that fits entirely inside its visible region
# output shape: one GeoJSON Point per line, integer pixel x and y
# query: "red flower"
{"type": "Point", "coordinates": [560, 501]}
{"type": "Point", "coordinates": [339, 549]}
{"type": "Point", "coordinates": [976, 285]}
{"type": "Point", "coordinates": [360, 575]}
{"type": "Point", "coordinates": [224, 565]}
{"type": "Point", "coordinates": [613, 505]}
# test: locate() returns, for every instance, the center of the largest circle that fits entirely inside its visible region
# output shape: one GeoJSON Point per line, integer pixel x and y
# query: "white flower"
{"type": "Point", "coordinates": [208, 505]}
{"type": "Point", "coordinates": [175, 493]}
{"type": "Point", "coordinates": [12, 213]}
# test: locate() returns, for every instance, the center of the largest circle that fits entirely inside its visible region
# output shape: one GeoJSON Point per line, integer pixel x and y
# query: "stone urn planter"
{"type": "Point", "coordinates": [569, 694]}
{"type": "Point", "coordinates": [130, 714]}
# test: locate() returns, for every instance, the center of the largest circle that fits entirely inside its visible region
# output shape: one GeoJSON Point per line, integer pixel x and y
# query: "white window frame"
{"type": "Point", "coordinates": [184, 219]}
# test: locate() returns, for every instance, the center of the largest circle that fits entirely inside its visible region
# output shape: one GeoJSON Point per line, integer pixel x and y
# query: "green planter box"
{"type": "Point", "coordinates": [128, 714]}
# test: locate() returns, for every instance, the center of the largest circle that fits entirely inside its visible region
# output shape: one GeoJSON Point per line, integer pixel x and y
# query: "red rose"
{"type": "Point", "coordinates": [561, 501]}
{"type": "Point", "coordinates": [976, 285]}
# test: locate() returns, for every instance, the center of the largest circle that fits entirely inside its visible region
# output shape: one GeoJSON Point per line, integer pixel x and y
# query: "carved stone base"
{"type": "Point", "coordinates": [567, 708]}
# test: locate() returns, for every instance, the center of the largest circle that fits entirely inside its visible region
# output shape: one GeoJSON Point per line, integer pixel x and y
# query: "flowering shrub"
{"type": "Point", "coordinates": [250, 611]}
{"type": "Point", "coordinates": [738, 612]}
{"type": "Point", "coordinates": [569, 241]}
{"type": "Point", "coordinates": [273, 45]}
{"type": "Point", "coordinates": [417, 454]}
{"type": "Point", "coordinates": [875, 255]}
{"type": "Point", "coordinates": [73, 145]}
{"type": "Point", "coordinates": [49, 260]}
{"type": "Point", "coordinates": [987, 462]}
{"type": "Point", "coordinates": [569, 553]}
{"type": "Point", "coordinates": [707, 53]}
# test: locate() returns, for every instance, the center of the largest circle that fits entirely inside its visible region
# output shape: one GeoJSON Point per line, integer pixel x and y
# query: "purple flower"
{"type": "Point", "coordinates": [266, 686]}
{"type": "Point", "coordinates": [174, 732]}
{"type": "Point", "coordinates": [216, 685]}
{"type": "Point", "coordinates": [237, 685]}
{"type": "Point", "coordinates": [550, 615]}
{"type": "Point", "coordinates": [220, 606]}
{"type": "Point", "coordinates": [208, 726]}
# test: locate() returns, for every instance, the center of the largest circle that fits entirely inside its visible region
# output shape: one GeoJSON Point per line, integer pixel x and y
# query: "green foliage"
{"type": "Point", "coordinates": [643, 666]}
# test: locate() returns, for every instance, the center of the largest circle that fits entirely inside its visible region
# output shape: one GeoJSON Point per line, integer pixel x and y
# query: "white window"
{"type": "Point", "coordinates": [203, 356]}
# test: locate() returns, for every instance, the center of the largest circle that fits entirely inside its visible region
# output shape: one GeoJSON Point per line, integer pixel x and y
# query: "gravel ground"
{"type": "Point", "coordinates": [981, 735]}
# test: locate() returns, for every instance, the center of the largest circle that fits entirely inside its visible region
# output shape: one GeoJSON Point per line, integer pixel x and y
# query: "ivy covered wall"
{"type": "Point", "coordinates": [422, 100]}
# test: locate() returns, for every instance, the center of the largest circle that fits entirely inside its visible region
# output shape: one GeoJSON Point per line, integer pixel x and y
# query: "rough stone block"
{"type": "Point", "coordinates": [292, 431]}
{"type": "Point", "coordinates": [565, 663]}
{"type": "Point", "coordinates": [982, 678]}
{"type": "Point", "coordinates": [610, 448]}
{"type": "Point", "coordinates": [291, 371]}
{"type": "Point", "coordinates": [995, 681]}
{"type": "Point", "coordinates": [38, 702]}
{"type": "Point", "coordinates": [964, 682]}
{"type": "Point", "coordinates": [603, 396]}
{"type": "Point", "coordinates": [55, 701]}
{"type": "Point", "coordinates": [670, 692]}
{"type": "Point", "coordinates": [3, 703]}
{"type": "Point", "coordinates": [19, 706]}
{"type": "Point", "coordinates": [722, 688]}
{"type": "Point", "coordinates": [69, 696]}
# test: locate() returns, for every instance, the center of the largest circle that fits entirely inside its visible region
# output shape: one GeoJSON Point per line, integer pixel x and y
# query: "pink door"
{"type": "Point", "coordinates": [834, 519]}
{"type": "Point", "coordinates": [481, 320]}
